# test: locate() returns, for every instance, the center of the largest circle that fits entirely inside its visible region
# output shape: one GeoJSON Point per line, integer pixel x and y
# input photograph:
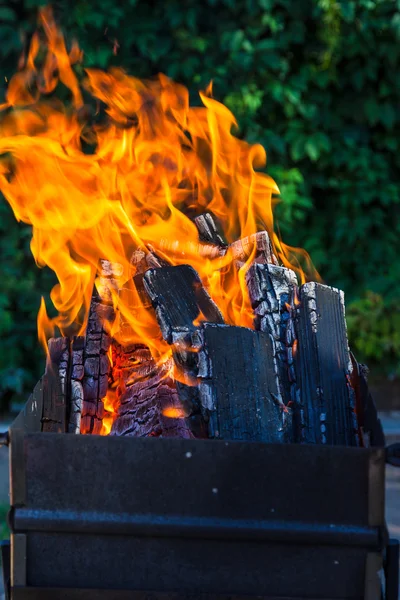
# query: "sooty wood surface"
{"type": "Point", "coordinates": [324, 407]}
{"type": "Point", "coordinates": [239, 385]}
{"type": "Point", "coordinates": [272, 290]}
{"type": "Point", "coordinates": [178, 297]}
{"type": "Point", "coordinates": [54, 417]}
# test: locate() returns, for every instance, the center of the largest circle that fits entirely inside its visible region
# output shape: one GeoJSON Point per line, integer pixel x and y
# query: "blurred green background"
{"type": "Point", "coordinates": [317, 82]}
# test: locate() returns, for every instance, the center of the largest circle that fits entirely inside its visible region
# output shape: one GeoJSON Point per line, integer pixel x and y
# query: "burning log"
{"type": "Point", "coordinates": [147, 397]}
{"type": "Point", "coordinates": [233, 383]}
{"type": "Point", "coordinates": [76, 389]}
{"type": "Point", "coordinates": [238, 391]}
{"type": "Point", "coordinates": [178, 298]}
{"type": "Point", "coordinates": [172, 161]}
{"type": "Point", "coordinates": [148, 404]}
{"type": "Point", "coordinates": [95, 361]}
{"type": "Point", "coordinates": [141, 261]}
{"type": "Point", "coordinates": [259, 245]}
{"type": "Point", "coordinates": [324, 402]}
{"type": "Point", "coordinates": [272, 291]}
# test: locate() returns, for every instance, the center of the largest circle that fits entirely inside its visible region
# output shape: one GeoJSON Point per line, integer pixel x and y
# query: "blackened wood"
{"type": "Point", "coordinates": [178, 297]}
{"type": "Point", "coordinates": [239, 386]}
{"type": "Point", "coordinates": [210, 230]}
{"type": "Point", "coordinates": [54, 416]}
{"type": "Point", "coordinates": [78, 345]}
{"type": "Point", "coordinates": [324, 407]}
{"type": "Point", "coordinates": [272, 291]}
{"type": "Point", "coordinates": [95, 362]}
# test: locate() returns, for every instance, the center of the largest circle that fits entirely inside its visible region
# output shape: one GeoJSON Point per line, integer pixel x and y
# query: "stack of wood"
{"type": "Point", "coordinates": [290, 379]}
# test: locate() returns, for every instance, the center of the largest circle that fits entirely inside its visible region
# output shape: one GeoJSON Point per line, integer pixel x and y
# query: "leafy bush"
{"type": "Point", "coordinates": [374, 328]}
{"type": "Point", "coordinates": [317, 82]}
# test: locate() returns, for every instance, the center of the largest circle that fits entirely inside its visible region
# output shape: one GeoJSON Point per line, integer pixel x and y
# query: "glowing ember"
{"type": "Point", "coordinates": [174, 413]}
{"type": "Point", "coordinates": [126, 184]}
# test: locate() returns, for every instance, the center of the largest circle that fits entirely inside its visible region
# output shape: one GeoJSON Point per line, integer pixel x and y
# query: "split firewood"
{"type": "Point", "coordinates": [238, 390]}
{"type": "Point", "coordinates": [324, 408]}
{"type": "Point", "coordinates": [273, 291]}
{"type": "Point", "coordinates": [239, 387]}
{"type": "Point", "coordinates": [178, 298]}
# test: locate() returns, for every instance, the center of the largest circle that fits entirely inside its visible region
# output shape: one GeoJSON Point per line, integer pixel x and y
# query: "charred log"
{"type": "Point", "coordinates": [324, 405]}
{"type": "Point", "coordinates": [97, 342]}
{"type": "Point", "coordinates": [272, 291]}
{"type": "Point", "coordinates": [239, 388]}
{"type": "Point", "coordinates": [178, 298]}
{"type": "Point", "coordinates": [258, 246]}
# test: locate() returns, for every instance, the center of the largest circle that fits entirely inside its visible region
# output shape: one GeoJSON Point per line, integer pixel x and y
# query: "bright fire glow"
{"type": "Point", "coordinates": [104, 182]}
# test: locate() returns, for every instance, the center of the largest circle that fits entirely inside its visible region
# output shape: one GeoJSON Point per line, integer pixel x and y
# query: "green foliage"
{"type": "Point", "coordinates": [317, 82]}
{"type": "Point", "coordinates": [374, 329]}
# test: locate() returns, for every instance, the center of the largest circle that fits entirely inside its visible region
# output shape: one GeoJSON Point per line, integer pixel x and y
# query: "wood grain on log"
{"type": "Point", "coordinates": [95, 361]}
{"type": "Point", "coordinates": [324, 407]}
{"type": "Point", "coordinates": [272, 292]}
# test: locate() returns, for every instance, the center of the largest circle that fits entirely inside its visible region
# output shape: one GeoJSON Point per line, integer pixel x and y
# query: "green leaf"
{"type": "Point", "coordinates": [7, 14]}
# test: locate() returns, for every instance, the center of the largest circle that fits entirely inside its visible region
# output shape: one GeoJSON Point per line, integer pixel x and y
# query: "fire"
{"type": "Point", "coordinates": [107, 183]}
{"type": "Point", "coordinates": [173, 412]}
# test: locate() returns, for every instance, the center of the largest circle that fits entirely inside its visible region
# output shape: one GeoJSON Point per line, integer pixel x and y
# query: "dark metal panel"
{"type": "Point", "coordinates": [18, 559]}
{"type": "Point", "coordinates": [196, 527]}
{"type": "Point", "coordinates": [17, 468]}
{"type": "Point", "coordinates": [376, 491]}
{"type": "Point", "coordinates": [205, 478]}
{"type": "Point", "coordinates": [373, 571]}
{"type": "Point", "coordinates": [87, 594]}
{"type": "Point", "coordinates": [6, 567]}
{"type": "Point", "coordinates": [193, 566]}
{"type": "Point", "coordinates": [392, 563]}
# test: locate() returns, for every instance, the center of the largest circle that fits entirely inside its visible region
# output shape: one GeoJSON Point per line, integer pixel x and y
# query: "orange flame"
{"type": "Point", "coordinates": [110, 408]}
{"type": "Point", "coordinates": [173, 412]}
{"type": "Point", "coordinates": [126, 183]}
